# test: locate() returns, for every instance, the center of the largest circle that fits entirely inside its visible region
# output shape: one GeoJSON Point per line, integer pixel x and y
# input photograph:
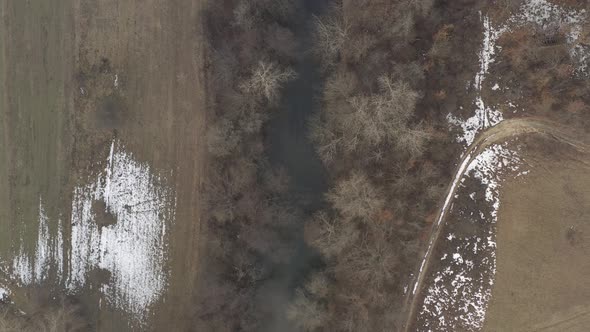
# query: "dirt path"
{"type": "Point", "coordinates": [501, 132]}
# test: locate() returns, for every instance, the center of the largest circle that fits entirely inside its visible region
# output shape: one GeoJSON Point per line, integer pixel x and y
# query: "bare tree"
{"type": "Point", "coordinates": [329, 235]}
{"type": "Point", "coordinates": [342, 84]}
{"type": "Point", "coordinates": [10, 322]}
{"type": "Point", "coordinates": [356, 197]}
{"type": "Point", "coordinates": [412, 141]}
{"type": "Point", "coordinates": [331, 33]}
{"type": "Point", "coordinates": [353, 122]}
{"type": "Point", "coordinates": [64, 318]}
{"type": "Point", "coordinates": [370, 263]}
{"type": "Point", "coordinates": [266, 80]}
{"type": "Point", "coordinates": [306, 313]}
{"type": "Point", "coordinates": [326, 138]}
{"type": "Point", "coordinates": [245, 15]}
{"type": "Point", "coordinates": [318, 285]}
{"type": "Point", "coordinates": [222, 138]}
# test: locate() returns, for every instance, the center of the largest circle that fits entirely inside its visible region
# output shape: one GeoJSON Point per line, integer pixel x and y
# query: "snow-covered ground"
{"type": "Point", "coordinates": [48, 254]}
{"type": "Point", "coordinates": [4, 293]}
{"type": "Point", "coordinates": [457, 297]}
{"type": "Point", "coordinates": [133, 250]}
{"type": "Point", "coordinates": [536, 13]}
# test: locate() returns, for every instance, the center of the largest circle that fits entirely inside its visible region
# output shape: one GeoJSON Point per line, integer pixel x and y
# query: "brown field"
{"type": "Point", "coordinates": [60, 108]}
{"type": "Point", "coordinates": [531, 273]}
{"type": "Point", "coordinates": [542, 274]}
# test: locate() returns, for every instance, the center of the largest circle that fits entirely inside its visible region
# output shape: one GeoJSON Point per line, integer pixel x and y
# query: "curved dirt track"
{"type": "Point", "coordinates": [501, 132]}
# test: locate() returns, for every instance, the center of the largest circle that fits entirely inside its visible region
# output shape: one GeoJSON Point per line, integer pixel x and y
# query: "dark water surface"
{"type": "Point", "coordinates": [288, 131]}
{"type": "Point", "coordinates": [290, 147]}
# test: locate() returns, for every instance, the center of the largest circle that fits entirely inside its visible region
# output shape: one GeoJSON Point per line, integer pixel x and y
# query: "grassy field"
{"type": "Point", "coordinates": [513, 255]}
{"type": "Point", "coordinates": [542, 236]}
{"type": "Point", "coordinates": [74, 75]}
{"type": "Point", "coordinates": [35, 100]}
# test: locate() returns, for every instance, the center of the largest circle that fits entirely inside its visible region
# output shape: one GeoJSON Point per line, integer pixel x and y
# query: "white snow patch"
{"type": "Point", "coordinates": [484, 116]}
{"type": "Point", "coordinates": [48, 254]}
{"type": "Point", "coordinates": [536, 12]}
{"type": "Point", "coordinates": [4, 293]}
{"type": "Point", "coordinates": [544, 13]}
{"type": "Point", "coordinates": [134, 249]}
{"type": "Point", "coordinates": [461, 294]}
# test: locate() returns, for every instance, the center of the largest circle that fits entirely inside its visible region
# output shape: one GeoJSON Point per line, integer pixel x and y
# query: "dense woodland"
{"type": "Point", "coordinates": [386, 150]}
{"type": "Point", "coordinates": [253, 50]}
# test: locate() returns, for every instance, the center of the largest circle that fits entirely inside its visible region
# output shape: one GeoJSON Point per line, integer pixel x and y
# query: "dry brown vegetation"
{"type": "Point", "coordinates": [539, 60]}
{"type": "Point", "coordinates": [392, 71]}
{"type": "Point", "coordinates": [380, 133]}
{"type": "Point", "coordinates": [387, 157]}
{"type": "Point", "coordinates": [253, 50]}
{"type": "Point", "coordinates": [60, 315]}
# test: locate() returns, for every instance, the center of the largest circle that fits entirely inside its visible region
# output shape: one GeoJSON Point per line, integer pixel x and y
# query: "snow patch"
{"type": "Point", "coordinates": [458, 295]}
{"type": "Point", "coordinates": [134, 249]}
{"type": "Point", "coordinates": [533, 12]}
{"type": "Point", "coordinates": [4, 294]}
{"type": "Point", "coordinates": [544, 13]}
{"type": "Point", "coordinates": [484, 116]}
{"type": "Point", "coordinates": [48, 254]}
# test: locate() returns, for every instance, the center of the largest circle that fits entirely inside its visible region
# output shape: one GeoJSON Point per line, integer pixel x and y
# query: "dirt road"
{"type": "Point", "coordinates": [496, 134]}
